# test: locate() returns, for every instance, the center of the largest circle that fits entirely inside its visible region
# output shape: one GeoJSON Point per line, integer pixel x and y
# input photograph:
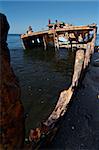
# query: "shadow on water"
{"type": "Point", "coordinates": [47, 74]}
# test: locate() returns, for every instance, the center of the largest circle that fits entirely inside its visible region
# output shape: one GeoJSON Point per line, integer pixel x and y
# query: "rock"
{"type": "Point", "coordinates": [11, 112]}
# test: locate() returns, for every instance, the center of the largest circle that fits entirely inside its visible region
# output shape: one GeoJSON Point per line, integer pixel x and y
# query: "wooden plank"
{"type": "Point", "coordinates": [87, 55]}
{"type": "Point", "coordinates": [44, 41]}
{"type": "Point", "coordinates": [70, 28]}
{"type": "Point", "coordinates": [79, 60]}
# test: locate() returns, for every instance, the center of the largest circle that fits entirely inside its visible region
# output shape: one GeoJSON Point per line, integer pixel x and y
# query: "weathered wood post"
{"type": "Point", "coordinates": [93, 40]}
{"type": "Point", "coordinates": [79, 60]}
{"type": "Point", "coordinates": [67, 37]}
{"type": "Point", "coordinates": [71, 43]}
{"type": "Point", "coordinates": [56, 42]}
{"type": "Point", "coordinates": [87, 55]}
{"type": "Point", "coordinates": [45, 44]}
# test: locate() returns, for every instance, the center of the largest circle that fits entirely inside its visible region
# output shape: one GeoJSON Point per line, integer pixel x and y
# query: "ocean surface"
{"type": "Point", "coordinates": [42, 76]}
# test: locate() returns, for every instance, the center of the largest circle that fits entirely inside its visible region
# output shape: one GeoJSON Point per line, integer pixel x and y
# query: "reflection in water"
{"type": "Point", "coordinates": [47, 73]}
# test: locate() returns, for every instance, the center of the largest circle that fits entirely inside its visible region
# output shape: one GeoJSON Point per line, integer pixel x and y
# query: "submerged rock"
{"type": "Point", "coordinates": [11, 109]}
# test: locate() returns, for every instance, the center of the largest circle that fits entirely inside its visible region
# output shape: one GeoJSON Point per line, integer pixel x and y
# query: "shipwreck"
{"type": "Point", "coordinates": [61, 35]}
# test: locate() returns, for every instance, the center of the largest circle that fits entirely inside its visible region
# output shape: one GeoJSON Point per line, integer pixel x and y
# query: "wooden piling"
{"type": "Point", "coordinates": [87, 55]}
{"type": "Point", "coordinates": [79, 60]}
{"type": "Point", "coordinates": [44, 41]}
{"type": "Point", "coordinates": [93, 40]}
{"type": "Point", "coordinates": [56, 42]}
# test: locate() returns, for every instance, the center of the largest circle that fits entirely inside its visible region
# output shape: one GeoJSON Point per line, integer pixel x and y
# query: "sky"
{"type": "Point", "coordinates": [21, 14]}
